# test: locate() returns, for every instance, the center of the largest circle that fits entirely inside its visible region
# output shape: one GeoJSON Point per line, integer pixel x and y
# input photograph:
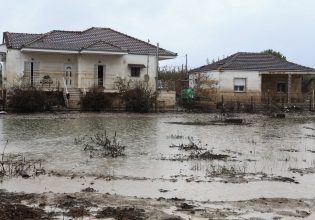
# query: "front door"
{"type": "Point", "coordinates": [69, 76]}
{"type": "Point", "coordinates": [100, 75]}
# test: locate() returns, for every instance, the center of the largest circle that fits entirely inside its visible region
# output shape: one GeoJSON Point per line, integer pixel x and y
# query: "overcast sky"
{"type": "Point", "coordinates": [201, 28]}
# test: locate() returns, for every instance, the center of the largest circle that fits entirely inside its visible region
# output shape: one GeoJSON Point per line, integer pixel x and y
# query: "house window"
{"type": "Point", "coordinates": [135, 71]}
{"type": "Point", "coordinates": [100, 75]}
{"type": "Point", "coordinates": [239, 84]}
{"type": "Point", "coordinates": [32, 73]}
{"type": "Point", "coordinates": [282, 87]}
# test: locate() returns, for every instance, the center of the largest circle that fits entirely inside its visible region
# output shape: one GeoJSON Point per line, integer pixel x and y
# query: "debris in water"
{"type": "Point", "coordinates": [207, 156]}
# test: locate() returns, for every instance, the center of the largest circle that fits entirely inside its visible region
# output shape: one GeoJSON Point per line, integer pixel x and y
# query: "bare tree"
{"type": "Point", "coordinates": [204, 85]}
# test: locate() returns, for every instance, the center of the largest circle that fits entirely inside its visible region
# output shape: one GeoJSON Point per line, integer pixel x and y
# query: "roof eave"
{"type": "Point", "coordinates": [103, 52]}
{"type": "Point", "coordinates": [167, 57]}
{"type": "Point", "coordinates": [288, 72]}
{"type": "Point", "coordinates": [49, 51]}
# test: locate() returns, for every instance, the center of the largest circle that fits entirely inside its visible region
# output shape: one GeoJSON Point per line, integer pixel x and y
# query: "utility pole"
{"type": "Point", "coordinates": [186, 64]}
{"type": "Point", "coordinates": [157, 63]}
{"type": "Point", "coordinates": [156, 76]}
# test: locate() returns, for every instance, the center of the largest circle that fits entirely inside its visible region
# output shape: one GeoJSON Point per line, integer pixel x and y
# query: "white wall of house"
{"type": "Point", "coordinates": [14, 68]}
{"type": "Point", "coordinates": [49, 64]}
{"type": "Point", "coordinates": [115, 66]}
{"type": "Point", "coordinates": [53, 64]}
{"type": "Point", "coordinates": [3, 48]}
{"type": "Point", "coordinates": [225, 80]}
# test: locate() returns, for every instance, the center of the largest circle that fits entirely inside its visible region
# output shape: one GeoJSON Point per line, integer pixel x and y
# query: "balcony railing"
{"type": "Point", "coordinates": [56, 80]}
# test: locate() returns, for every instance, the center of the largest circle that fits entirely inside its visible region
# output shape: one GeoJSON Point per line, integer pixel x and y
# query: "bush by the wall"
{"type": "Point", "coordinates": [34, 100]}
{"type": "Point", "coordinates": [96, 100]}
{"type": "Point", "coordinates": [140, 98]}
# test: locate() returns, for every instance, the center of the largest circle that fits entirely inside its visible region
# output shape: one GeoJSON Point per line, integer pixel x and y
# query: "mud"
{"type": "Point", "coordinates": [77, 212]}
{"type": "Point", "coordinates": [23, 206]}
{"type": "Point", "coordinates": [19, 211]}
{"type": "Point", "coordinates": [122, 213]}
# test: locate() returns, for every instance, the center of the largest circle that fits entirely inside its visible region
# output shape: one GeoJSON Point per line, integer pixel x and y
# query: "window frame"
{"type": "Point", "coordinates": [138, 72]}
{"type": "Point", "coordinates": [282, 83]}
{"type": "Point", "coordinates": [238, 86]}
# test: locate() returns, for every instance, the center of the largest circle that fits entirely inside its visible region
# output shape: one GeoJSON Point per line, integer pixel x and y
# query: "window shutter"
{"type": "Point", "coordinates": [36, 70]}
{"type": "Point", "coordinates": [27, 68]}
{"type": "Point", "coordinates": [36, 66]}
{"type": "Point", "coordinates": [104, 72]}
{"type": "Point", "coordinates": [240, 82]}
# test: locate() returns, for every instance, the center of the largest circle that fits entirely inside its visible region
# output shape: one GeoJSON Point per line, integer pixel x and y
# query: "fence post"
{"type": "Point", "coordinates": [252, 103]}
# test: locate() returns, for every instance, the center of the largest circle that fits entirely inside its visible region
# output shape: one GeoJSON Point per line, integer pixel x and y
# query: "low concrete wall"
{"type": "Point", "coordinates": [166, 100]}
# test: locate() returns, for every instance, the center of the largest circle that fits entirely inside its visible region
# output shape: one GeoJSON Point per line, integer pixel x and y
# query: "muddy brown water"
{"type": "Point", "coordinates": [261, 145]}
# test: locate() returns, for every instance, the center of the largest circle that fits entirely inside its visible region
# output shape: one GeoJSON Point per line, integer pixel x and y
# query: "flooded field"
{"type": "Point", "coordinates": [231, 163]}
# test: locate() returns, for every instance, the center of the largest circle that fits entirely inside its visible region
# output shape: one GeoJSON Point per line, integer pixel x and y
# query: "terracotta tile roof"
{"type": "Point", "coordinates": [254, 62]}
{"type": "Point", "coordinates": [103, 39]}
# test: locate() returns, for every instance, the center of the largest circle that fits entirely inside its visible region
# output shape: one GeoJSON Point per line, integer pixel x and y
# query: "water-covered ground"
{"type": "Point", "coordinates": [265, 157]}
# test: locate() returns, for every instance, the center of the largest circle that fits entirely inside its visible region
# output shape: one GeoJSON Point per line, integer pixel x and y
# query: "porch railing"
{"type": "Point", "coordinates": [279, 97]}
{"type": "Point", "coordinates": [108, 82]}
{"type": "Point", "coordinates": [46, 83]}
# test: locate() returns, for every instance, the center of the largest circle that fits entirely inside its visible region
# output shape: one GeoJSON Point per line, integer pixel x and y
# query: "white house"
{"type": "Point", "coordinates": [258, 76]}
{"type": "Point", "coordinates": [77, 60]}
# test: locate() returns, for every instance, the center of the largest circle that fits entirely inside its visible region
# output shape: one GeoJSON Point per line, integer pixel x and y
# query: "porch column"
{"type": "Point", "coordinates": [79, 76]}
{"type": "Point", "coordinates": [289, 87]}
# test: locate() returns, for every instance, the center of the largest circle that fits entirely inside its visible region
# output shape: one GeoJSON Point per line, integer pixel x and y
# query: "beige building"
{"type": "Point", "coordinates": [255, 76]}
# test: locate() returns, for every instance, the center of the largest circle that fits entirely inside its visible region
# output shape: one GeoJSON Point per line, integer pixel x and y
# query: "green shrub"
{"type": "Point", "coordinates": [96, 100]}
{"type": "Point", "coordinates": [34, 100]}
